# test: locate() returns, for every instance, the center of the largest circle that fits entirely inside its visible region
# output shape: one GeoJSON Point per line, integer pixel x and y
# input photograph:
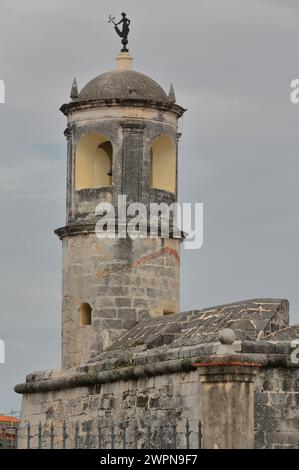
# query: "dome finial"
{"type": "Point", "coordinates": [124, 61]}
{"type": "Point", "coordinates": [124, 32]}
{"type": "Point", "coordinates": [74, 91]}
{"type": "Point", "coordinates": [171, 94]}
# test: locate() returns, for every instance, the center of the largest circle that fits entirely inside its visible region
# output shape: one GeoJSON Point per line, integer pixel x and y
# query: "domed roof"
{"type": "Point", "coordinates": [122, 84]}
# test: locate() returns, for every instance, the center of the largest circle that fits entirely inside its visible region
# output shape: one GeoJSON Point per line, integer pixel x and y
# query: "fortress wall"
{"type": "Point", "coordinates": [277, 408]}
{"type": "Point", "coordinates": [156, 401]}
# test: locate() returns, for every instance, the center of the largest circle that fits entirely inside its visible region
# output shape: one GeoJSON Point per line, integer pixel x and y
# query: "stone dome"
{"type": "Point", "coordinates": [123, 84]}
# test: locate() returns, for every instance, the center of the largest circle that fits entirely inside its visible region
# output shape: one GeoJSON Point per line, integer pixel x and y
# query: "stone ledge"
{"type": "Point", "coordinates": [88, 226]}
{"type": "Point", "coordinates": [95, 374]}
{"type": "Point", "coordinates": [138, 103]}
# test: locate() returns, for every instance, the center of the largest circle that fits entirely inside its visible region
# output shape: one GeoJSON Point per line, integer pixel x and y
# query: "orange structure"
{"type": "Point", "coordinates": [8, 426]}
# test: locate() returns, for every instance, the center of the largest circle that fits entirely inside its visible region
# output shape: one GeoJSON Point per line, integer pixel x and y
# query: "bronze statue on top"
{"type": "Point", "coordinates": [124, 32]}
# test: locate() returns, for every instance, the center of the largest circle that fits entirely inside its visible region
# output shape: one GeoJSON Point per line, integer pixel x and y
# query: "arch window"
{"type": "Point", "coordinates": [85, 314]}
{"type": "Point", "coordinates": [163, 164]}
{"type": "Point", "coordinates": [94, 156]}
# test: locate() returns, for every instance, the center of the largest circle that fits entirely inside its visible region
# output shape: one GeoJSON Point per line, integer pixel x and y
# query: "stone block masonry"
{"type": "Point", "coordinates": [159, 400]}
{"type": "Point", "coordinates": [277, 409]}
{"type": "Point", "coordinates": [122, 284]}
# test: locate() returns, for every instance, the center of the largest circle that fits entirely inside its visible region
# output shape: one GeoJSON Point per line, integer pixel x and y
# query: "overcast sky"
{"type": "Point", "coordinates": [231, 63]}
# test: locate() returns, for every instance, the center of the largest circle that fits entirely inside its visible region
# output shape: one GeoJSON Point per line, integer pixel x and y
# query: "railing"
{"type": "Point", "coordinates": [87, 436]}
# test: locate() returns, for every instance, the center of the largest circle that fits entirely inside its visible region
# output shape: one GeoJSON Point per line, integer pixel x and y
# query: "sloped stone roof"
{"type": "Point", "coordinates": [250, 320]}
{"type": "Point", "coordinates": [285, 334]}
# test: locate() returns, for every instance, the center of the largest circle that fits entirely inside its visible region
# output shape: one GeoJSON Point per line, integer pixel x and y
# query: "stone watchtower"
{"type": "Point", "coordinates": [133, 364]}
{"type": "Point", "coordinates": [122, 133]}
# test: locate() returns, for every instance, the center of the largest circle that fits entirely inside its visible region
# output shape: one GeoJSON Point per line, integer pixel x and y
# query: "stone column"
{"type": "Point", "coordinates": [69, 134]}
{"type": "Point", "coordinates": [228, 405]}
{"type": "Point", "coordinates": [132, 159]}
{"type": "Point", "coordinates": [228, 396]}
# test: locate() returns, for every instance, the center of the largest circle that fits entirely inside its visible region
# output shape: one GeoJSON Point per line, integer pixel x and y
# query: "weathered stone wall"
{"type": "Point", "coordinates": [156, 401]}
{"type": "Point", "coordinates": [161, 400]}
{"type": "Point", "coordinates": [86, 201]}
{"type": "Point", "coordinates": [123, 280]}
{"type": "Point", "coordinates": [277, 408]}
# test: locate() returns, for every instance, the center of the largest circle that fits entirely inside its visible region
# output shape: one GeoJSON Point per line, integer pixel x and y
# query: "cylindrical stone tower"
{"type": "Point", "coordinates": [122, 135]}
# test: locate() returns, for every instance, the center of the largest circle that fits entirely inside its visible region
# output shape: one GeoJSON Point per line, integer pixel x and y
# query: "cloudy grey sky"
{"type": "Point", "coordinates": [231, 63]}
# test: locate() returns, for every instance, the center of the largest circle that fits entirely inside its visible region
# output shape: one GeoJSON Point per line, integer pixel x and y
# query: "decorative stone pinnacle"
{"type": "Point", "coordinates": [171, 94]}
{"type": "Point", "coordinates": [74, 91]}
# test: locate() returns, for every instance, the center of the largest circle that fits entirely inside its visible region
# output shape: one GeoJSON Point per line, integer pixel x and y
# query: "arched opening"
{"type": "Point", "coordinates": [85, 314]}
{"type": "Point", "coordinates": [163, 164]}
{"type": "Point", "coordinates": [94, 156]}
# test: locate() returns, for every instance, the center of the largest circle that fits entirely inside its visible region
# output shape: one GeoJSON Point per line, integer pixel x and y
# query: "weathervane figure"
{"type": "Point", "coordinates": [124, 32]}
